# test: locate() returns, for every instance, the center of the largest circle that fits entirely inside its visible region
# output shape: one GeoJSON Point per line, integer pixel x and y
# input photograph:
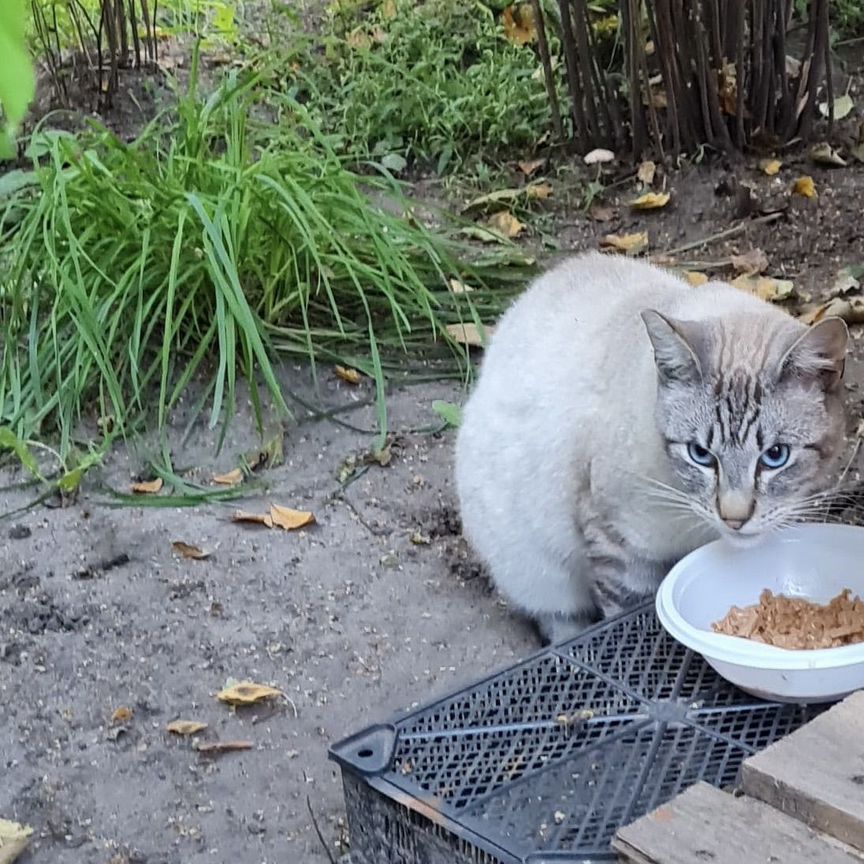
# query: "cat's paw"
{"type": "Point", "coordinates": [555, 628]}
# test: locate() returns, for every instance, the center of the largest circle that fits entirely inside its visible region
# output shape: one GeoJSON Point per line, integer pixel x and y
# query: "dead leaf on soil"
{"type": "Point", "coordinates": [352, 376]}
{"type": "Point", "coordinates": [650, 201]}
{"type": "Point", "coordinates": [646, 172]}
{"type": "Point", "coordinates": [232, 478]}
{"type": "Point", "coordinates": [598, 156]}
{"type": "Point", "coordinates": [247, 693]}
{"type": "Point", "coordinates": [850, 309]}
{"type": "Point", "coordinates": [538, 191]}
{"type": "Point", "coordinates": [847, 281]}
{"type": "Point", "coordinates": [214, 748]}
{"type": "Point", "coordinates": [750, 263]}
{"type": "Point", "coordinates": [531, 167]}
{"type": "Point", "coordinates": [519, 25]}
{"type": "Point", "coordinates": [629, 244]}
{"type": "Point", "coordinates": [602, 214]}
{"type": "Point", "coordinates": [458, 287]}
{"type": "Point", "coordinates": [825, 154]}
{"type": "Point", "coordinates": [770, 166]}
{"type": "Point", "coordinates": [805, 187]}
{"type": "Point", "coordinates": [148, 487]}
{"type": "Point", "coordinates": [290, 519]}
{"type": "Point", "coordinates": [766, 287]}
{"type": "Point", "coordinates": [843, 106]}
{"type": "Point", "coordinates": [505, 224]}
{"type": "Point", "coordinates": [121, 715]}
{"type": "Point", "coordinates": [253, 518]}
{"type": "Point", "coordinates": [469, 334]}
{"type": "Point", "coordinates": [14, 838]}
{"type": "Point", "coordinates": [695, 278]}
{"type": "Point", "coordinates": [187, 550]}
{"type": "Point", "coordinates": [185, 727]}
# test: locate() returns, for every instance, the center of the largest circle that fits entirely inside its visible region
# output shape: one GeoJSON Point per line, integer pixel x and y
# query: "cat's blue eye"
{"type": "Point", "coordinates": [775, 457]}
{"type": "Point", "coordinates": [700, 455]}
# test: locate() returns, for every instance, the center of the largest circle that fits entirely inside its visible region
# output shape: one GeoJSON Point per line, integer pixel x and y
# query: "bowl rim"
{"type": "Point", "coordinates": [744, 652]}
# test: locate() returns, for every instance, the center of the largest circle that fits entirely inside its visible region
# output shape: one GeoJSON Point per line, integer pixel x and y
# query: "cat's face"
{"type": "Point", "coordinates": [751, 416]}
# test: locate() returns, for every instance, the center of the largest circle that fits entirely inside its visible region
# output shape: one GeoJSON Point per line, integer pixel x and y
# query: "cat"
{"type": "Point", "coordinates": [622, 418]}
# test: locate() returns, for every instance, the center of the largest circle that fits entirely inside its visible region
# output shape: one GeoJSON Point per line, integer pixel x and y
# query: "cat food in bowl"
{"type": "Point", "coordinates": [807, 570]}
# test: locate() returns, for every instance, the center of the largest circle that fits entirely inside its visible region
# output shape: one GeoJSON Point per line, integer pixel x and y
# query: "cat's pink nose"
{"type": "Point", "coordinates": [734, 524]}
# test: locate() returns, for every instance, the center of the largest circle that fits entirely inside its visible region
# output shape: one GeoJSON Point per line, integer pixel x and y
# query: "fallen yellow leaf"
{"type": "Point", "coordinates": [629, 244]}
{"type": "Point", "coordinates": [505, 224]}
{"type": "Point", "coordinates": [247, 693]}
{"type": "Point", "coordinates": [538, 191]}
{"type": "Point", "coordinates": [186, 550]}
{"type": "Point", "coordinates": [804, 186]}
{"type": "Point", "coordinates": [254, 518]}
{"type": "Point", "coordinates": [469, 334]}
{"type": "Point", "coordinates": [290, 520]}
{"type": "Point", "coordinates": [750, 263]}
{"type": "Point", "coordinates": [458, 287]}
{"type": "Point", "coordinates": [646, 172]}
{"type": "Point", "coordinates": [770, 166]}
{"type": "Point", "coordinates": [850, 309]}
{"type": "Point", "coordinates": [519, 25]}
{"type": "Point", "coordinates": [352, 376]}
{"type": "Point", "coordinates": [650, 201]}
{"type": "Point", "coordinates": [121, 715]}
{"type": "Point", "coordinates": [766, 288]}
{"type": "Point", "coordinates": [14, 838]}
{"type": "Point", "coordinates": [185, 727]}
{"type": "Point", "coordinates": [148, 487]}
{"type": "Point", "coordinates": [232, 478]}
{"type": "Point", "coordinates": [694, 277]}
{"type": "Point", "coordinates": [531, 167]}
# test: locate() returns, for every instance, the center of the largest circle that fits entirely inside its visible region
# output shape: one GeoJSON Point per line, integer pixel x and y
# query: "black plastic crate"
{"type": "Point", "coordinates": [543, 762]}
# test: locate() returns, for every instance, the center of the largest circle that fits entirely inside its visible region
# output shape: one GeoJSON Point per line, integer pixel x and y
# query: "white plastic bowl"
{"type": "Point", "coordinates": [814, 561]}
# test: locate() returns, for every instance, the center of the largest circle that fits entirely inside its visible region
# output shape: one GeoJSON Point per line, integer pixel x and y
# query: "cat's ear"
{"type": "Point", "coordinates": [818, 354]}
{"type": "Point", "coordinates": [674, 354]}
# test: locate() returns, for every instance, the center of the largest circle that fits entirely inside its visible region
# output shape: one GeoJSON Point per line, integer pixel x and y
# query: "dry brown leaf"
{"type": "Point", "coordinates": [519, 25]}
{"type": "Point", "coordinates": [650, 201]}
{"type": "Point", "coordinates": [359, 38]}
{"type": "Point", "coordinates": [804, 186]}
{"type": "Point", "coordinates": [185, 727]}
{"type": "Point", "coordinates": [352, 376]}
{"type": "Point", "coordinates": [469, 334]}
{"type": "Point", "coordinates": [538, 191]}
{"type": "Point", "coordinates": [646, 172]}
{"type": "Point", "coordinates": [598, 156]}
{"type": "Point", "coordinates": [694, 277]}
{"type": "Point", "coordinates": [505, 224]}
{"type": "Point", "coordinates": [850, 309]}
{"type": "Point", "coordinates": [121, 715]}
{"type": "Point", "coordinates": [825, 154]}
{"type": "Point", "coordinates": [247, 693]}
{"type": "Point", "coordinates": [290, 520]}
{"type": "Point", "coordinates": [458, 287]}
{"type": "Point", "coordinates": [214, 748]}
{"type": "Point", "coordinates": [187, 550]}
{"type": "Point", "coordinates": [629, 244]}
{"type": "Point", "coordinates": [232, 478]}
{"type": "Point", "coordinates": [766, 288]}
{"type": "Point", "coordinates": [770, 166]}
{"type": "Point", "coordinates": [750, 263]}
{"type": "Point", "coordinates": [148, 487]}
{"type": "Point", "coordinates": [254, 518]}
{"type": "Point", "coordinates": [14, 838]}
{"type": "Point", "coordinates": [531, 167]}
{"type": "Point", "coordinates": [602, 214]}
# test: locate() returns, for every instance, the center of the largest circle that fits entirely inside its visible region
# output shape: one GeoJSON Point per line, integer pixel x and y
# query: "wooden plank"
{"type": "Point", "coordinates": [704, 824]}
{"type": "Point", "coordinates": [817, 773]}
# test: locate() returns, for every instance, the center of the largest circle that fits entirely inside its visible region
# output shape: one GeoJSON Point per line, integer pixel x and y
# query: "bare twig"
{"type": "Point", "coordinates": [327, 851]}
{"type": "Point", "coordinates": [734, 231]}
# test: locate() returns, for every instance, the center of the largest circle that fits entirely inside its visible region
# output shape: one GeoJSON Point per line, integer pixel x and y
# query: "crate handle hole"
{"type": "Point", "coordinates": [365, 753]}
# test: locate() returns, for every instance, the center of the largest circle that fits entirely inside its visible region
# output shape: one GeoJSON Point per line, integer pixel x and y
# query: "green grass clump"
{"type": "Point", "coordinates": [437, 82]}
{"type": "Point", "coordinates": [204, 248]}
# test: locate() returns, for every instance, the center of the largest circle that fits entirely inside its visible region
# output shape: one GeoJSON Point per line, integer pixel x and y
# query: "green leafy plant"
{"type": "Point", "coordinates": [17, 79]}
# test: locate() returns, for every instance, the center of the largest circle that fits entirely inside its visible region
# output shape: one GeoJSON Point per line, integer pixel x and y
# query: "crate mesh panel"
{"type": "Point", "coordinates": [556, 753]}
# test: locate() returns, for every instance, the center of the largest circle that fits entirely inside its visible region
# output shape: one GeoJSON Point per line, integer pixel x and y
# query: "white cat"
{"type": "Point", "coordinates": [587, 463]}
